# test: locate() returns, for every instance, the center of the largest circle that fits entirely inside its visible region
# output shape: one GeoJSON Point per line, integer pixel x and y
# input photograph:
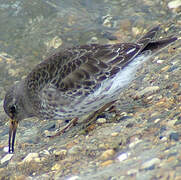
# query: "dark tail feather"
{"type": "Point", "coordinates": [148, 36]}
{"type": "Point", "coordinates": [156, 45]}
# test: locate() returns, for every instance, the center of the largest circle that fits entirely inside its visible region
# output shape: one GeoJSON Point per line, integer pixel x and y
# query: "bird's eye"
{"type": "Point", "coordinates": [12, 109]}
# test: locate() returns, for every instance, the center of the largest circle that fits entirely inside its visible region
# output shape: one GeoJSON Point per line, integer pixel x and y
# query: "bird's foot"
{"type": "Point", "coordinates": [88, 121]}
{"type": "Point", "coordinates": [65, 128]}
{"type": "Point", "coordinates": [93, 116]}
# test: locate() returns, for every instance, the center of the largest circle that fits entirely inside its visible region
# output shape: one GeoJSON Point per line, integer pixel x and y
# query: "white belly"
{"type": "Point", "coordinates": [107, 92]}
{"type": "Point", "coordinates": [111, 88]}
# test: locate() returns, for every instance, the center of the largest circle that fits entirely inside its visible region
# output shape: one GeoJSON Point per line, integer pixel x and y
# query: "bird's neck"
{"type": "Point", "coordinates": [26, 101]}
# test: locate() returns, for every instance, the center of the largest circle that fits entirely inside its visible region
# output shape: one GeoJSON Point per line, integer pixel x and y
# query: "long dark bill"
{"type": "Point", "coordinates": [12, 134]}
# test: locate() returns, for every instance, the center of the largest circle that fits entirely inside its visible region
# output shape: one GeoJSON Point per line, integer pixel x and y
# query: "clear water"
{"type": "Point", "coordinates": [28, 29]}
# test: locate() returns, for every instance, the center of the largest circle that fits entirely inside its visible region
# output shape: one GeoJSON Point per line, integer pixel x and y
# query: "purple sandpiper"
{"type": "Point", "coordinates": [78, 80]}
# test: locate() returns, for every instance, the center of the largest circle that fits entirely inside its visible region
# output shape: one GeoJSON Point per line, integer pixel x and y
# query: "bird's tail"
{"type": "Point", "coordinates": [154, 46]}
{"type": "Point", "coordinates": [148, 36]}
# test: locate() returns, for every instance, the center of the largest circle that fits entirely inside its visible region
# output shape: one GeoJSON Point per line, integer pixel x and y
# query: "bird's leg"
{"type": "Point", "coordinates": [65, 128]}
{"type": "Point", "coordinates": [92, 117]}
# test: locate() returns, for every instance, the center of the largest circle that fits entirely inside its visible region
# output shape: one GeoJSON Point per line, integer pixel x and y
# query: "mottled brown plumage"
{"type": "Point", "coordinates": [78, 80]}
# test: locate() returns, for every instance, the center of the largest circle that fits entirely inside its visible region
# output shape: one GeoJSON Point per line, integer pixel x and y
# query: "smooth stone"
{"type": "Point", "coordinates": [114, 134]}
{"type": "Point", "coordinates": [75, 149]}
{"type": "Point", "coordinates": [73, 178]}
{"type": "Point", "coordinates": [49, 133]}
{"type": "Point", "coordinates": [123, 156]}
{"type": "Point", "coordinates": [6, 149]}
{"type": "Point", "coordinates": [61, 152]}
{"type": "Point", "coordinates": [160, 61]}
{"type": "Point", "coordinates": [55, 42]}
{"type": "Point", "coordinates": [166, 68]}
{"type": "Point", "coordinates": [174, 136]}
{"type": "Point", "coordinates": [101, 120]}
{"type": "Point", "coordinates": [106, 163]}
{"type": "Point", "coordinates": [171, 123]}
{"type": "Point", "coordinates": [164, 138]}
{"type": "Point", "coordinates": [30, 157]}
{"type": "Point", "coordinates": [132, 171]}
{"type": "Point", "coordinates": [93, 40]}
{"type": "Point", "coordinates": [107, 21]}
{"type": "Point", "coordinates": [45, 152]}
{"type": "Point", "coordinates": [134, 143]}
{"type": "Point", "coordinates": [174, 4]}
{"type": "Point", "coordinates": [173, 68]}
{"type": "Point", "coordinates": [135, 31]}
{"type": "Point", "coordinates": [6, 158]}
{"type": "Point", "coordinates": [124, 118]}
{"type": "Point", "coordinates": [148, 164]}
{"type": "Point", "coordinates": [56, 167]}
{"type": "Point", "coordinates": [108, 153]}
{"type": "Point", "coordinates": [178, 122]}
{"type": "Point", "coordinates": [150, 89]}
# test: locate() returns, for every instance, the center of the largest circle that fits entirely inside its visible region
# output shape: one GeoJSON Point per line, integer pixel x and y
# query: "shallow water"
{"type": "Point", "coordinates": [30, 30]}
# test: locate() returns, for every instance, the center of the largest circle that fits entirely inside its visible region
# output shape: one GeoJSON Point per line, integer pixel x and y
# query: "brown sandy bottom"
{"type": "Point", "coordinates": [139, 138]}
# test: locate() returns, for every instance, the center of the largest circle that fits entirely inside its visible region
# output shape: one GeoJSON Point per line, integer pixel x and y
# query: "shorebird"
{"type": "Point", "coordinates": [78, 80]}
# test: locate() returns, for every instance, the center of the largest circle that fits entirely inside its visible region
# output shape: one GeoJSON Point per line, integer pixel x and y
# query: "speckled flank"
{"type": "Point", "coordinates": [75, 81]}
{"type": "Point", "coordinates": [78, 80]}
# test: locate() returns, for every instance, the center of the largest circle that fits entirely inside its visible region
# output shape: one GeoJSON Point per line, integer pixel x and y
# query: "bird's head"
{"type": "Point", "coordinates": [15, 108]}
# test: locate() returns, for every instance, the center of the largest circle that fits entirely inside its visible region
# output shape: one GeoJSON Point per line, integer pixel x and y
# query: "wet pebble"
{"type": "Point", "coordinates": [147, 90]}
{"type": "Point", "coordinates": [56, 167]}
{"type": "Point", "coordinates": [174, 4]}
{"type": "Point", "coordinates": [136, 31]}
{"type": "Point", "coordinates": [31, 157]}
{"type": "Point", "coordinates": [106, 163]}
{"type": "Point", "coordinates": [124, 118]}
{"type": "Point", "coordinates": [173, 68]}
{"type": "Point", "coordinates": [107, 21]}
{"type": "Point", "coordinates": [134, 142]}
{"type": "Point", "coordinates": [114, 134]}
{"type": "Point", "coordinates": [132, 171]}
{"type": "Point", "coordinates": [13, 72]}
{"type": "Point", "coordinates": [101, 120]}
{"type": "Point", "coordinates": [73, 178]}
{"type": "Point", "coordinates": [160, 61]}
{"type": "Point", "coordinates": [178, 122]}
{"type": "Point", "coordinates": [163, 138]}
{"type": "Point", "coordinates": [123, 156]}
{"type": "Point", "coordinates": [75, 149]}
{"type": "Point", "coordinates": [60, 152]}
{"type": "Point", "coordinates": [6, 149]}
{"type": "Point", "coordinates": [6, 158]}
{"type": "Point", "coordinates": [93, 40]}
{"type": "Point", "coordinates": [150, 163]}
{"type": "Point", "coordinates": [174, 136]}
{"type": "Point", "coordinates": [165, 68]}
{"type": "Point", "coordinates": [171, 123]}
{"type": "Point", "coordinates": [107, 154]}
{"type": "Point", "coordinates": [45, 152]}
{"type": "Point", "coordinates": [55, 42]}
